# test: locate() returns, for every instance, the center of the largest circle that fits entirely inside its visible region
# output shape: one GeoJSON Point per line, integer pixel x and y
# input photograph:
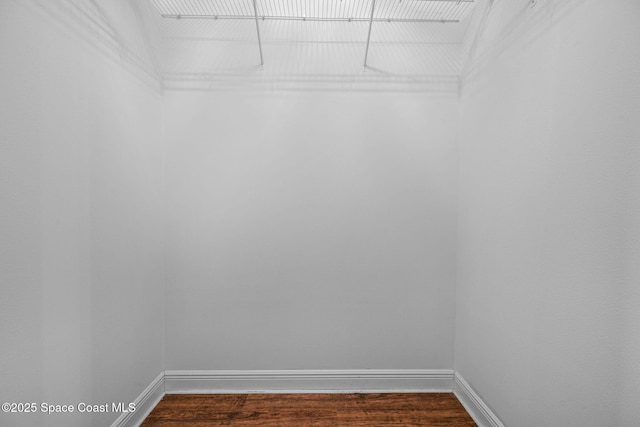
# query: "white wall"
{"type": "Point", "coordinates": [310, 230]}
{"type": "Point", "coordinates": [81, 231]}
{"type": "Point", "coordinates": [547, 297]}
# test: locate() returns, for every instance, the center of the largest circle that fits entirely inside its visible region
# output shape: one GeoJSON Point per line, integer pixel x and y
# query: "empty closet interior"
{"type": "Point", "coordinates": [422, 195]}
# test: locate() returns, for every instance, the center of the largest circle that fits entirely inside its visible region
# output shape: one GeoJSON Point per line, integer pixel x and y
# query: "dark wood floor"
{"type": "Point", "coordinates": [299, 410]}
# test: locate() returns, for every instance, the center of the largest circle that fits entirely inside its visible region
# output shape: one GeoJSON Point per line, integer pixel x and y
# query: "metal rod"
{"type": "Point", "coordinates": [366, 52]}
{"type": "Point", "coordinates": [255, 10]}
{"type": "Point", "coordinates": [299, 18]}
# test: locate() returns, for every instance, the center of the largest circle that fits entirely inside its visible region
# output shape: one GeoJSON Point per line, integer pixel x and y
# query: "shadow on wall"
{"type": "Point", "coordinates": [529, 20]}
{"type": "Point", "coordinates": [209, 54]}
{"type": "Point", "coordinates": [124, 31]}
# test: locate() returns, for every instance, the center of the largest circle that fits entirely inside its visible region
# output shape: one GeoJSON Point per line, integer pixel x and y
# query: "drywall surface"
{"type": "Point", "coordinates": [547, 297]}
{"type": "Point", "coordinates": [310, 230]}
{"type": "Point", "coordinates": [629, 384]}
{"type": "Point", "coordinates": [81, 247]}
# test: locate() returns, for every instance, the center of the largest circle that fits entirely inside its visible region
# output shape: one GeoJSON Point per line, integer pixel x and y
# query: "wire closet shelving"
{"type": "Point", "coordinates": [370, 11]}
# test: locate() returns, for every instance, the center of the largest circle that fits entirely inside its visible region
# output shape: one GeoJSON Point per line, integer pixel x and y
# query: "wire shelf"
{"type": "Point", "coordinates": [326, 10]}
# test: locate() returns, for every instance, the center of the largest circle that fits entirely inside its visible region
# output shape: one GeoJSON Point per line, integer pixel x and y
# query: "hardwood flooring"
{"type": "Point", "coordinates": [302, 410]}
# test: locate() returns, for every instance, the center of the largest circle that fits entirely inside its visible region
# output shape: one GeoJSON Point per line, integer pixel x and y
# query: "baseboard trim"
{"type": "Point", "coordinates": [310, 381]}
{"type": "Point", "coordinates": [145, 402]}
{"type": "Point", "coordinates": [475, 406]}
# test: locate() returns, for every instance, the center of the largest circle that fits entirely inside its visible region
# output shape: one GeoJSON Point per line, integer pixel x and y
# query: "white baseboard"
{"type": "Point", "coordinates": [145, 402]}
{"type": "Point", "coordinates": [310, 381]}
{"type": "Point", "coordinates": [475, 406]}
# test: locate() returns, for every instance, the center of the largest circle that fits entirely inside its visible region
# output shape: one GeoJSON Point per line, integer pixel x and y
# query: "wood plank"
{"type": "Point", "coordinates": [312, 410]}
